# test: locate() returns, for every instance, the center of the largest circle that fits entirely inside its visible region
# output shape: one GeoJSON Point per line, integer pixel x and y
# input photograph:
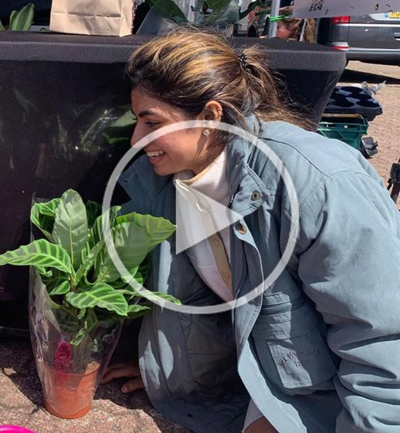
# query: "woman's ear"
{"type": "Point", "coordinates": [212, 111]}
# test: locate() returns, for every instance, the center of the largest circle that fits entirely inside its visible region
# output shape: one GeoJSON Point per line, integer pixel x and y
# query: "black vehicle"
{"type": "Point", "coordinates": [369, 38]}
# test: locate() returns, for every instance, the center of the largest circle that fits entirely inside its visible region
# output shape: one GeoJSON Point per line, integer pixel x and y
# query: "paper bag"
{"type": "Point", "coordinates": [92, 17]}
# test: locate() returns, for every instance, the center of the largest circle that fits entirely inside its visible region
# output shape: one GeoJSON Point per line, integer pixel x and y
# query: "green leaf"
{"type": "Point", "coordinates": [96, 232]}
{"type": "Point", "coordinates": [167, 9]}
{"type": "Point", "coordinates": [2, 28]}
{"type": "Point", "coordinates": [135, 311]}
{"type": "Point", "coordinates": [13, 14]}
{"type": "Point", "coordinates": [42, 216]}
{"type": "Point", "coordinates": [61, 289]}
{"type": "Point", "coordinates": [43, 272]}
{"type": "Point", "coordinates": [157, 228]}
{"type": "Point", "coordinates": [134, 236]}
{"type": "Point", "coordinates": [101, 296]}
{"type": "Point", "coordinates": [93, 211]}
{"type": "Point", "coordinates": [71, 225]}
{"type": "Point", "coordinates": [40, 253]}
{"type": "Point", "coordinates": [121, 129]}
{"type": "Point", "coordinates": [155, 296]}
{"type": "Point", "coordinates": [141, 292]}
{"type": "Point", "coordinates": [23, 19]}
{"type": "Point", "coordinates": [89, 262]}
{"type": "Point", "coordinates": [89, 324]}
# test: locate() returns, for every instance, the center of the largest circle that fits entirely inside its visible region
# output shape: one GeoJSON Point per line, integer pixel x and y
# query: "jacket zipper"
{"type": "Point", "coordinates": [283, 308]}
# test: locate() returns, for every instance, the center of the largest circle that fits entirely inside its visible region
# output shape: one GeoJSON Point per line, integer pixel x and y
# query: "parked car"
{"type": "Point", "coordinates": [369, 38]}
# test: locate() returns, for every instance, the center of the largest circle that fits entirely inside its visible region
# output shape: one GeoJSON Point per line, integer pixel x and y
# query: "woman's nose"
{"type": "Point", "coordinates": [135, 136]}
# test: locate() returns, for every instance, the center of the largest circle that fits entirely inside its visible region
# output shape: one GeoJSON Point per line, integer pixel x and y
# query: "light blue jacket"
{"type": "Point", "coordinates": [319, 350]}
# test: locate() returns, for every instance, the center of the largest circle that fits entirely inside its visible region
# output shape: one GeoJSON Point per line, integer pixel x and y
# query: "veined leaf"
{"type": "Point", "coordinates": [157, 227]}
{"type": "Point", "coordinates": [89, 324]}
{"type": "Point", "coordinates": [43, 272]}
{"type": "Point", "coordinates": [89, 262]}
{"type": "Point", "coordinates": [42, 216]}
{"type": "Point", "coordinates": [96, 232]}
{"type": "Point", "coordinates": [147, 294]}
{"type": "Point", "coordinates": [135, 311]}
{"type": "Point", "coordinates": [155, 296]}
{"type": "Point", "coordinates": [39, 253]}
{"type": "Point", "coordinates": [71, 225]}
{"type": "Point", "coordinates": [134, 237]}
{"type": "Point", "coordinates": [100, 295]}
{"type": "Point", "coordinates": [167, 9]}
{"type": "Point", "coordinates": [23, 19]}
{"type": "Point", "coordinates": [48, 207]}
{"type": "Point", "coordinates": [61, 289]}
{"type": "Point", "coordinates": [93, 211]}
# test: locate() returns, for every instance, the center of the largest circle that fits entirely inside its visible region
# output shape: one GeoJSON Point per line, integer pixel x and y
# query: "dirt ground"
{"type": "Point", "coordinates": [384, 128]}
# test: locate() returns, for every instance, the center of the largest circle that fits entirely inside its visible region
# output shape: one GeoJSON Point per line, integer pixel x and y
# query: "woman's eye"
{"type": "Point", "coordinates": [152, 124]}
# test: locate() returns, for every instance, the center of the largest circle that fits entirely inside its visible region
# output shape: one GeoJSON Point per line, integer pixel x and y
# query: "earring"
{"type": "Point", "coordinates": [206, 132]}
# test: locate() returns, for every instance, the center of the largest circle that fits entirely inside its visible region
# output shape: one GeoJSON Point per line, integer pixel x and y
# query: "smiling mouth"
{"type": "Point", "coordinates": [155, 154]}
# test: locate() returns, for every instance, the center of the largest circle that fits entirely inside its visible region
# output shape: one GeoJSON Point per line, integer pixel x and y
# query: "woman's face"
{"type": "Point", "coordinates": [283, 31]}
{"type": "Point", "coordinates": [180, 150]}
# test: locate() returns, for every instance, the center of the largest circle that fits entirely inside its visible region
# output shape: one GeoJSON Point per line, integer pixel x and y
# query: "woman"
{"type": "Point", "coordinates": [316, 350]}
{"type": "Point", "coordinates": [299, 29]}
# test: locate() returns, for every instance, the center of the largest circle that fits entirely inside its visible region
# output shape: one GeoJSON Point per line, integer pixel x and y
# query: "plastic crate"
{"type": "Point", "coordinates": [347, 128]}
{"type": "Point", "coordinates": [353, 100]}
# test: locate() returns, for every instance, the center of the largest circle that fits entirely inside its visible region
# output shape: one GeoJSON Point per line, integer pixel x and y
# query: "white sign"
{"type": "Point", "coordinates": [335, 8]}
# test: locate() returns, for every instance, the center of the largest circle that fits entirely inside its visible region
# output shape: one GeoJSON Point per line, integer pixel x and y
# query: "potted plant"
{"type": "Point", "coordinates": [216, 14]}
{"type": "Point", "coordinates": [78, 298]}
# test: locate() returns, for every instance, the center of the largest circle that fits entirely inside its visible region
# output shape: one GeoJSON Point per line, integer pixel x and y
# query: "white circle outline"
{"type": "Point", "coordinates": [294, 224]}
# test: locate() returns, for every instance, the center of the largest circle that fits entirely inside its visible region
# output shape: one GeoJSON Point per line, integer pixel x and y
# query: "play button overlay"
{"type": "Point", "coordinates": [198, 217]}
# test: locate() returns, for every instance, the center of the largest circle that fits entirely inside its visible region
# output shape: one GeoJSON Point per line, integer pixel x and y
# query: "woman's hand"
{"type": "Point", "coordinates": [124, 369]}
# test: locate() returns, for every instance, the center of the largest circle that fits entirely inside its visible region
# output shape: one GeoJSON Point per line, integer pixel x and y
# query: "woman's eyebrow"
{"type": "Point", "coordinates": [146, 113]}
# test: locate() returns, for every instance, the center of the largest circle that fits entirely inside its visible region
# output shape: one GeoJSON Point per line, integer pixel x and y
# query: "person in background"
{"type": "Point", "coordinates": [298, 29]}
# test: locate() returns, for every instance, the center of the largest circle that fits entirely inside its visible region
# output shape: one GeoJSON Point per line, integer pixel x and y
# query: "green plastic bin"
{"type": "Point", "coordinates": [347, 128]}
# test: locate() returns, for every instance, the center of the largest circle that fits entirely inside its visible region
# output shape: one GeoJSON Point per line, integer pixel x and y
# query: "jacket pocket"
{"type": "Point", "coordinates": [291, 349]}
{"type": "Point", "coordinates": [210, 348]}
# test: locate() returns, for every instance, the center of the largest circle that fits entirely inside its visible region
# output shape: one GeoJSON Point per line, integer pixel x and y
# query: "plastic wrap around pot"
{"type": "Point", "coordinates": [69, 373]}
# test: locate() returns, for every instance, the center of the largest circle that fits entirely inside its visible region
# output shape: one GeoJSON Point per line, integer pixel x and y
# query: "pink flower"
{"type": "Point", "coordinates": [63, 356]}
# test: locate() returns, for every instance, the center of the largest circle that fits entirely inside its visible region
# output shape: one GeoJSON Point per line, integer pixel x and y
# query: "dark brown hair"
{"type": "Point", "coordinates": [187, 68]}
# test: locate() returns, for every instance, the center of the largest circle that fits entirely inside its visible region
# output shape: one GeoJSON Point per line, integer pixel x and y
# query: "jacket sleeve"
{"type": "Point", "coordinates": [349, 263]}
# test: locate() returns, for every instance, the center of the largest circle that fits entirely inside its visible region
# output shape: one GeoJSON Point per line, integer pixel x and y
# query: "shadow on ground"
{"type": "Point", "coordinates": [351, 76]}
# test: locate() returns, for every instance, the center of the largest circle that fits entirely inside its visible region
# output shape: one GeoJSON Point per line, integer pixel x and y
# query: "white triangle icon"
{"type": "Point", "coordinates": [198, 217]}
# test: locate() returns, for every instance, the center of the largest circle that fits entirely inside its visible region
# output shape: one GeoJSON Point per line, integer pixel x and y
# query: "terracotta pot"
{"type": "Point", "coordinates": [69, 395]}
